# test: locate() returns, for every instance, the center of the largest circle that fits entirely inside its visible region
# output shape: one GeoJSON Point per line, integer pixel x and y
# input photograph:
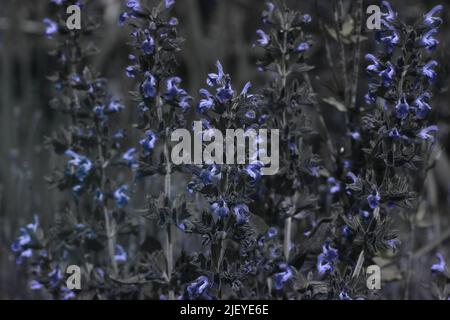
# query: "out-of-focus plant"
{"type": "Point", "coordinates": [91, 227]}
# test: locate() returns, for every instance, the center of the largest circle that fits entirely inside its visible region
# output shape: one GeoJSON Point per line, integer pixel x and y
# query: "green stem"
{"type": "Point", "coordinates": [169, 231]}
{"type": "Point", "coordinates": [108, 222]}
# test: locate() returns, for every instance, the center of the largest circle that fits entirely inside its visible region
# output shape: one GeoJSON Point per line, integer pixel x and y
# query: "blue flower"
{"type": "Point", "coordinates": [251, 114]}
{"type": "Point", "coordinates": [264, 38]}
{"type": "Point", "coordinates": [225, 93]}
{"type": "Point", "coordinates": [253, 170]}
{"type": "Point", "coordinates": [346, 164]}
{"type": "Point", "coordinates": [393, 133]}
{"type": "Point", "coordinates": [364, 213]}
{"type": "Point", "coordinates": [129, 71]}
{"type": "Point", "coordinates": [21, 241]}
{"type": "Point", "coordinates": [115, 106]}
{"type": "Point", "coordinates": [211, 173]}
{"type": "Point", "coordinates": [148, 45]}
{"type": "Point", "coordinates": [220, 208]}
{"type": "Point", "coordinates": [306, 18]}
{"type": "Point", "coordinates": [175, 94]}
{"type": "Point", "coordinates": [333, 185]}
{"type": "Point", "coordinates": [440, 266]}
{"type": "Point", "coordinates": [184, 102]}
{"type": "Point", "coordinates": [427, 70]}
{"type": "Point", "coordinates": [302, 47]}
{"type": "Point", "coordinates": [169, 3]}
{"type": "Point", "coordinates": [375, 66]}
{"type": "Point", "coordinates": [344, 296]}
{"type": "Point", "coordinates": [402, 109]}
{"type": "Point", "coordinates": [390, 15]}
{"type": "Point", "coordinates": [33, 226]}
{"type": "Point", "coordinates": [422, 107]}
{"type": "Point", "coordinates": [388, 74]}
{"type": "Point", "coordinates": [173, 21]}
{"type": "Point", "coordinates": [77, 189]}
{"type": "Point", "coordinates": [67, 294]}
{"type": "Point", "coordinates": [374, 199]}
{"type": "Point", "coordinates": [134, 4]}
{"type": "Point", "coordinates": [148, 143]}
{"type": "Point", "coordinates": [272, 232]}
{"type": "Point", "coordinates": [389, 37]}
{"type": "Point", "coordinates": [120, 255]}
{"type": "Point", "coordinates": [122, 18]}
{"type": "Point", "coordinates": [51, 27]}
{"type": "Point", "coordinates": [267, 13]}
{"type": "Point", "coordinates": [245, 89]}
{"type": "Point", "coordinates": [429, 19]}
{"type": "Point", "coordinates": [75, 78]}
{"type": "Point", "coordinates": [55, 277]}
{"type": "Point", "coordinates": [262, 119]}
{"type": "Point", "coordinates": [26, 253]}
{"type": "Point", "coordinates": [425, 133]}
{"type": "Point", "coordinates": [215, 79]}
{"type": "Point", "coordinates": [370, 98]}
{"type": "Point", "coordinates": [184, 225]}
{"type": "Point", "coordinates": [355, 135]}
{"type": "Point", "coordinates": [352, 177]}
{"type": "Point", "coordinates": [149, 86]}
{"type": "Point", "coordinates": [207, 102]}
{"type": "Point", "coordinates": [393, 243]}
{"type": "Point", "coordinates": [326, 260]}
{"type": "Point", "coordinates": [129, 157]}
{"type": "Point", "coordinates": [119, 134]}
{"type": "Point", "coordinates": [347, 232]}
{"type": "Point", "coordinates": [99, 111]}
{"type": "Point", "coordinates": [197, 287]}
{"type": "Point", "coordinates": [82, 164]}
{"type": "Point", "coordinates": [428, 41]}
{"type": "Point", "coordinates": [35, 285]}
{"type": "Point", "coordinates": [241, 213]}
{"type": "Point", "coordinates": [283, 276]}
{"type": "Point", "coordinates": [172, 89]}
{"type": "Point", "coordinates": [121, 197]}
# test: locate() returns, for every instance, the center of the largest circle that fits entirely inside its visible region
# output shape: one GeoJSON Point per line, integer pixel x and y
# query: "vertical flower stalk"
{"type": "Point", "coordinates": [228, 187]}
{"type": "Point", "coordinates": [398, 134]}
{"type": "Point", "coordinates": [84, 97]}
{"type": "Point", "coordinates": [161, 102]}
{"type": "Point", "coordinates": [84, 233]}
{"type": "Point", "coordinates": [286, 48]}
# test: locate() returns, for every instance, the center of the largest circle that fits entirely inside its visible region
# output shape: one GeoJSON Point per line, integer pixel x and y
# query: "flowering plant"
{"type": "Point", "coordinates": [140, 225]}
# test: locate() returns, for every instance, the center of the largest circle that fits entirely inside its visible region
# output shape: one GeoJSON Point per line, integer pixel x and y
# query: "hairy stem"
{"type": "Point", "coordinates": [357, 53]}
{"type": "Point", "coordinates": [287, 237]}
{"type": "Point", "coordinates": [409, 273]}
{"type": "Point", "coordinates": [283, 73]}
{"type": "Point", "coordinates": [108, 225]}
{"type": "Point", "coordinates": [338, 15]}
{"type": "Point", "coordinates": [167, 194]}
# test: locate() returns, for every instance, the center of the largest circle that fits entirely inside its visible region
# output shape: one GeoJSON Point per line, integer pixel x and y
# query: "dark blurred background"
{"type": "Point", "coordinates": [213, 29]}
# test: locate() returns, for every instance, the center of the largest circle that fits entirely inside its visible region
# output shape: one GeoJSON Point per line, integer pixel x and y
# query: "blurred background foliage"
{"type": "Point", "coordinates": [213, 29]}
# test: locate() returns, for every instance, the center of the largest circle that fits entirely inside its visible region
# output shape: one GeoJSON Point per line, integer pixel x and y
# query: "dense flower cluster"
{"type": "Point", "coordinates": [305, 233]}
{"type": "Point", "coordinates": [86, 231]}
